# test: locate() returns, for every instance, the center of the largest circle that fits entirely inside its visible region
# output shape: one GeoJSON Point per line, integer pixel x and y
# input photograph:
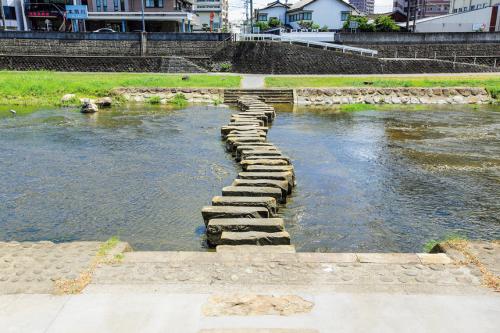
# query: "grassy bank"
{"type": "Point", "coordinates": [490, 82]}
{"type": "Point", "coordinates": [47, 88]}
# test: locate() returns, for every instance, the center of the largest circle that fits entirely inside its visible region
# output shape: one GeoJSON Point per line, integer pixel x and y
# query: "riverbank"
{"type": "Point", "coordinates": [490, 82]}
{"type": "Point", "coordinates": [47, 88]}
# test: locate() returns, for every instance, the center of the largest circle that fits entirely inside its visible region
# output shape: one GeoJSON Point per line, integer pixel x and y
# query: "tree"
{"type": "Point", "coordinates": [363, 24]}
{"type": "Point", "coordinates": [274, 22]}
{"type": "Point", "coordinates": [262, 25]}
{"type": "Point", "coordinates": [386, 24]}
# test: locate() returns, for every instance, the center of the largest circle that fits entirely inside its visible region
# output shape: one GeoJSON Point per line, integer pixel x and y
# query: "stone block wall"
{"type": "Point", "coordinates": [91, 47]}
{"type": "Point", "coordinates": [432, 50]}
{"type": "Point", "coordinates": [329, 96]}
{"type": "Point", "coordinates": [281, 58]}
{"type": "Point", "coordinates": [166, 94]}
{"type": "Point", "coordinates": [99, 64]}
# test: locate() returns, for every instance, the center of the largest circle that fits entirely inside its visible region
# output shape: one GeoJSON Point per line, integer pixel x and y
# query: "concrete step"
{"type": "Point", "coordinates": [281, 184]}
{"type": "Point", "coordinates": [216, 227]}
{"type": "Point", "coordinates": [226, 129]}
{"type": "Point", "coordinates": [254, 249]}
{"type": "Point", "coordinates": [269, 203]}
{"type": "Point", "coordinates": [214, 212]}
{"type": "Point", "coordinates": [254, 238]}
{"type": "Point", "coordinates": [287, 176]}
{"type": "Point", "coordinates": [251, 157]}
{"type": "Point", "coordinates": [249, 191]}
{"type": "Point", "coordinates": [270, 168]}
{"type": "Point", "coordinates": [265, 95]}
{"type": "Point", "coordinates": [263, 161]}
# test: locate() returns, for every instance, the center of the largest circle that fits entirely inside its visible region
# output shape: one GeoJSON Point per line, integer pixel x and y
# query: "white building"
{"type": "Point", "coordinates": [484, 19]}
{"type": "Point", "coordinates": [325, 13]}
{"type": "Point", "coordinates": [276, 9]}
{"type": "Point", "coordinates": [459, 6]}
{"type": "Point", "coordinates": [213, 14]}
{"type": "Point", "coordinates": [14, 15]}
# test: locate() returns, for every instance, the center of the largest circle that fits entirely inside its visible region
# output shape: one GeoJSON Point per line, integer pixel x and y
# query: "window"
{"type": "Point", "coordinates": [154, 4]}
{"type": "Point", "coordinates": [262, 17]}
{"type": "Point", "coordinates": [9, 12]}
{"type": "Point", "coordinates": [344, 16]}
{"type": "Point", "coordinates": [122, 5]}
{"type": "Point", "coordinates": [116, 5]}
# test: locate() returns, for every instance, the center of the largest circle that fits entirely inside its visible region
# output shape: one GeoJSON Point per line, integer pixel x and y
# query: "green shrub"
{"type": "Point", "coordinates": [179, 100]}
{"type": "Point", "coordinates": [154, 100]}
{"type": "Point", "coordinates": [226, 67]}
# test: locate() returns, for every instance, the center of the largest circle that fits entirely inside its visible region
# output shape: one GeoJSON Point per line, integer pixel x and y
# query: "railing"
{"type": "Point", "coordinates": [290, 40]}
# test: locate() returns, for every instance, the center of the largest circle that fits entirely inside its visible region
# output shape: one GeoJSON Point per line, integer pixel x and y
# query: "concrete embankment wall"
{"type": "Point", "coordinates": [99, 64]}
{"type": "Point", "coordinates": [417, 38]}
{"type": "Point", "coordinates": [472, 47]}
{"type": "Point", "coordinates": [115, 44]}
{"type": "Point", "coordinates": [324, 96]}
{"type": "Point", "coordinates": [281, 58]}
{"type": "Point", "coordinates": [327, 96]}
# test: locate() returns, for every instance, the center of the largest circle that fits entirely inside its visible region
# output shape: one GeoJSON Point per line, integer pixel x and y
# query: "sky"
{"type": "Point", "coordinates": [237, 11]}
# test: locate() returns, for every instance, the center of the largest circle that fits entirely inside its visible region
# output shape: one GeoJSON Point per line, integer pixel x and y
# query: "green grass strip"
{"type": "Point", "coordinates": [47, 88]}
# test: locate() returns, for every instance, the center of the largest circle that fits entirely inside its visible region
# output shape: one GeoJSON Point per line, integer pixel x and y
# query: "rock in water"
{"type": "Point", "coordinates": [88, 107]}
{"type": "Point", "coordinates": [104, 102]}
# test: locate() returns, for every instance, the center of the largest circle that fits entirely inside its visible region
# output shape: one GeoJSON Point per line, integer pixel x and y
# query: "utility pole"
{"type": "Point", "coordinates": [251, 16]}
{"type": "Point", "coordinates": [408, 12]}
{"type": "Point", "coordinates": [2, 14]}
{"type": "Point", "coordinates": [142, 14]}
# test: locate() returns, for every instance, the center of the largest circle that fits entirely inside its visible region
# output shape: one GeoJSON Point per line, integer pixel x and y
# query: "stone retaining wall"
{"type": "Point", "coordinates": [281, 58]}
{"type": "Point", "coordinates": [392, 96]}
{"type": "Point", "coordinates": [91, 47]}
{"type": "Point", "coordinates": [99, 64]}
{"type": "Point", "coordinates": [166, 94]}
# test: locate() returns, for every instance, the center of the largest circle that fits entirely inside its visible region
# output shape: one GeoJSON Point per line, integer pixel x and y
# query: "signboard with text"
{"type": "Point", "coordinates": [77, 12]}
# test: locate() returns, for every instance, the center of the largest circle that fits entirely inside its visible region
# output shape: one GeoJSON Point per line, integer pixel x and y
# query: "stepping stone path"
{"type": "Point", "coordinates": [246, 213]}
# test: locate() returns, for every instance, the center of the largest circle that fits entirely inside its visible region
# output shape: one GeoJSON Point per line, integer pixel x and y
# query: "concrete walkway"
{"type": "Point", "coordinates": [130, 310]}
{"type": "Point", "coordinates": [245, 287]}
{"type": "Point", "coordinates": [253, 81]}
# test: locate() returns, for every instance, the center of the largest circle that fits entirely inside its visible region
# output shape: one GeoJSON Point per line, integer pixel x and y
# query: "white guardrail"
{"type": "Point", "coordinates": [344, 48]}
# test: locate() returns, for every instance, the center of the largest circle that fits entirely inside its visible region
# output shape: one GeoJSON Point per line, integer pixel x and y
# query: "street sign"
{"type": "Point", "coordinates": [77, 12]}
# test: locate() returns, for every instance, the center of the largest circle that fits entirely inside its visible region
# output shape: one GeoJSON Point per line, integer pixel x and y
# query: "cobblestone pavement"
{"type": "Point", "coordinates": [35, 267]}
{"type": "Point", "coordinates": [196, 271]}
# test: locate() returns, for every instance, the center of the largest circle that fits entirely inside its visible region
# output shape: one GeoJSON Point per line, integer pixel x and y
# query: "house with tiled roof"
{"type": "Point", "coordinates": [329, 13]}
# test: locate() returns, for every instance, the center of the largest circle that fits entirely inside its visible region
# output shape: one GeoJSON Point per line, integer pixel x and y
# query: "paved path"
{"type": "Point", "coordinates": [243, 287]}
{"type": "Point", "coordinates": [253, 81]}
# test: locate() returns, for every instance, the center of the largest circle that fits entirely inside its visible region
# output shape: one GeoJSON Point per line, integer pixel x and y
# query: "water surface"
{"type": "Point", "coordinates": [367, 181]}
{"type": "Point", "coordinates": [142, 173]}
{"type": "Point", "coordinates": [391, 180]}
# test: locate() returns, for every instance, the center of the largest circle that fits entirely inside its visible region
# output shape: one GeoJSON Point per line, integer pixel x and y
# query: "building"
{"type": "Point", "coordinates": [212, 14]}
{"type": "Point", "coordinates": [276, 9]}
{"type": "Point", "coordinates": [425, 8]}
{"type": "Point", "coordinates": [326, 13]}
{"type": "Point", "coordinates": [484, 19]}
{"type": "Point", "coordinates": [364, 6]}
{"type": "Point", "coordinates": [126, 15]}
{"type": "Point", "coordinates": [459, 6]}
{"type": "Point", "coordinates": [47, 15]}
{"type": "Point", "coordinates": [119, 15]}
{"type": "Point", "coordinates": [14, 15]}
